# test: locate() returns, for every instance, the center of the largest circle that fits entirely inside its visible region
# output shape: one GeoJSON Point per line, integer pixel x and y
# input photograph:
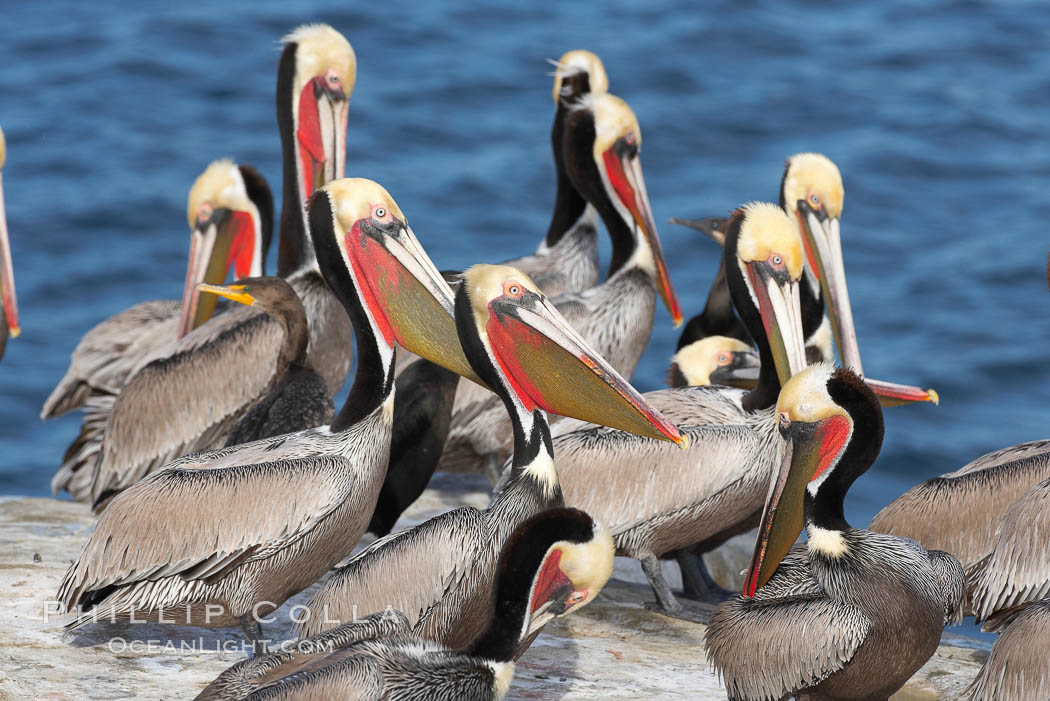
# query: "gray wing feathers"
{"type": "Point", "coordinates": [187, 402]}
{"type": "Point", "coordinates": [427, 572]}
{"type": "Point", "coordinates": [1017, 666]}
{"type": "Point", "coordinates": [108, 353]}
{"type": "Point", "coordinates": [277, 503]}
{"type": "Point", "coordinates": [1017, 569]}
{"type": "Point", "coordinates": [940, 513]}
{"type": "Point", "coordinates": [761, 649]}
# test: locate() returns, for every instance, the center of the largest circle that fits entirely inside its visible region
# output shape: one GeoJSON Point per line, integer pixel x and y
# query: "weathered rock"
{"type": "Point", "coordinates": [614, 648]}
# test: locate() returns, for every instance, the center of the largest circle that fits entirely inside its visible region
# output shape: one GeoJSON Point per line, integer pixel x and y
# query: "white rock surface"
{"type": "Point", "coordinates": [613, 649]}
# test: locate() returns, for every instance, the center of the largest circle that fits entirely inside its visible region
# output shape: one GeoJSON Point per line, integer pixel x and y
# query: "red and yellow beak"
{"type": "Point", "coordinates": [321, 134]}
{"type": "Point", "coordinates": [7, 273]}
{"type": "Point", "coordinates": [892, 394]}
{"type": "Point", "coordinates": [222, 240]}
{"type": "Point", "coordinates": [811, 449]}
{"type": "Point", "coordinates": [409, 299]}
{"type": "Point", "coordinates": [550, 366]}
{"type": "Point", "coordinates": [623, 171]}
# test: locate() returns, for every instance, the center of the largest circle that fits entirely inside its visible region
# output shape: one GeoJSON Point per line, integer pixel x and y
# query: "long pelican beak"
{"type": "Point", "coordinates": [713, 228]}
{"type": "Point", "coordinates": [623, 168]}
{"type": "Point", "coordinates": [235, 292]}
{"type": "Point", "coordinates": [778, 303]}
{"type": "Point", "coordinates": [810, 450]}
{"type": "Point", "coordinates": [408, 296]}
{"type": "Point", "coordinates": [321, 134]}
{"type": "Point", "coordinates": [222, 239]}
{"type": "Point", "coordinates": [7, 273]}
{"type": "Point", "coordinates": [551, 366]}
{"type": "Point", "coordinates": [892, 394]}
{"type": "Point", "coordinates": [820, 236]}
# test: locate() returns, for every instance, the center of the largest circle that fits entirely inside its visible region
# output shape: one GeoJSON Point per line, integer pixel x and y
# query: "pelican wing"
{"type": "Point", "coordinates": [622, 479]}
{"type": "Point", "coordinates": [1017, 570]}
{"type": "Point", "coordinates": [108, 353]}
{"type": "Point", "coordinates": [188, 401]}
{"type": "Point", "coordinates": [959, 511]}
{"type": "Point", "coordinates": [768, 648]}
{"type": "Point", "coordinates": [289, 669]}
{"type": "Point", "coordinates": [438, 573]}
{"type": "Point", "coordinates": [180, 522]}
{"type": "Point", "coordinates": [1016, 668]}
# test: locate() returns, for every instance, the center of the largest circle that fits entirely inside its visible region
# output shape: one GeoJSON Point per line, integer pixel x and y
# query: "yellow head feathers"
{"type": "Point", "coordinates": [219, 186]}
{"type": "Point", "coordinates": [805, 397]}
{"type": "Point", "coordinates": [613, 119]}
{"type": "Point", "coordinates": [813, 178]}
{"type": "Point", "coordinates": [580, 61]}
{"type": "Point", "coordinates": [765, 231]}
{"type": "Point", "coordinates": [487, 282]}
{"type": "Point", "coordinates": [587, 565]}
{"type": "Point", "coordinates": [357, 198]}
{"type": "Point", "coordinates": [699, 359]}
{"type": "Point", "coordinates": [322, 49]}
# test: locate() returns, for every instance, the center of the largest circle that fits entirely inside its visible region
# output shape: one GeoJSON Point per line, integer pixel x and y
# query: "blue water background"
{"type": "Point", "coordinates": [936, 113]}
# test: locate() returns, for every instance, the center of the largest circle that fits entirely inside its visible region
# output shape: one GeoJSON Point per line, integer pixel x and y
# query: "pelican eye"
{"type": "Point", "coordinates": [576, 597]}
{"type": "Point", "coordinates": [513, 289]}
{"type": "Point", "coordinates": [722, 359]}
{"type": "Point", "coordinates": [380, 213]}
{"type": "Point", "coordinates": [814, 200]}
{"type": "Point", "coordinates": [776, 259]}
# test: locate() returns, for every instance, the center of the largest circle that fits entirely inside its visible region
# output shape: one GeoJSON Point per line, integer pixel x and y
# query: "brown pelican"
{"type": "Point", "coordinates": [601, 147]}
{"type": "Point", "coordinates": [553, 564]}
{"type": "Point", "coordinates": [856, 613]}
{"type": "Point", "coordinates": [959, 511]}
{"type": "Point", "coordinates": [249, 546]}
{"type": "Point", "coordinates": [129, 436]}
{"type": "Point", "coordinates": [567, 259]}
{"type": "Point", "coordinates": [230, 214]}
{"type": "Point", "coordinates": [270, 517]}
{"type": "Point", "coordinates": [1016, 667]}
{"type": "Point", "coordinates": [299, 397]}
{"type": "Point", "coordinates": [9, 325]}
{"type": "Point", "coordinates": [657, 501]}
{"type": "Point", "coordinates": [439, 573]}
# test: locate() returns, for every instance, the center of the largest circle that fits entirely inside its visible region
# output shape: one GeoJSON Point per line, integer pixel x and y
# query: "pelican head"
{"type": "Point", "coordinates": [578, 72]}
{"type": "Point", "coordinates": [318, 71]}
{"type": "Point", "coordinates": [611, 179]}
{"type": "Point", "coordinates": [230, 214]}
{"type": "Point", "coordinates": [769, 259]}
{"type": "Point", "coordinates": [715, 360]}
{"type": "Point", "coordinates": [812, 194]}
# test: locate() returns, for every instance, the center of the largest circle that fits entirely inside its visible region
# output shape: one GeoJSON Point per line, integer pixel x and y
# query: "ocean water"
{"type": "Point", "coordinates": [935, 112]}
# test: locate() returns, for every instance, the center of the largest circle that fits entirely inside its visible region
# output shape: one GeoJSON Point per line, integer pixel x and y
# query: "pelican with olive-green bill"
{"type": "Point", "coordinates": [602, 149]}
{"type": "Point", "coordinates": [440, 572]}
{"type": "Point", "coordinates": [9, 327]}
{"type": "Point", "coordinates": [214, 374]}
{"type": "Point", "coordinates": [852, 614]}
{"type": "Point", "coordinates": [271, 516]}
